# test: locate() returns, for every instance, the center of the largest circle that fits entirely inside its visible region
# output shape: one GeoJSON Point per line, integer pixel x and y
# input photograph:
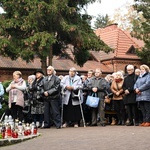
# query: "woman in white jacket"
{"type": "Point", "coordinates": [71, 107]}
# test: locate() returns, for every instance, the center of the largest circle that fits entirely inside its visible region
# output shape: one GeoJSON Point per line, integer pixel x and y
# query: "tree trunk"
{"type": "Point", "coordinates": [44, 65]}
{"type": "Point", "coordinates": [50, 56]}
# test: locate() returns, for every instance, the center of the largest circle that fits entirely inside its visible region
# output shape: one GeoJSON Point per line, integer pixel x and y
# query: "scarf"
{"type": "Point", "coordinates": [14, 91]}
{"type": "Point", "coordinates": [118, 80]}
{"type": "Point", "coordinates": [142, 74]}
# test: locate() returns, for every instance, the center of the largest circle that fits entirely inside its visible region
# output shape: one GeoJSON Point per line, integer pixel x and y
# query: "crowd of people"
{"type": "Point", "coordinates": [60, 101]}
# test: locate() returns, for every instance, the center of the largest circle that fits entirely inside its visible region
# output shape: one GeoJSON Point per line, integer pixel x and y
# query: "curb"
{"type": "Point", "coordinates": [10, 141]}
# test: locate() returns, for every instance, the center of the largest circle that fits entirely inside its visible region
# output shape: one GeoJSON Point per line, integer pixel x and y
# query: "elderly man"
{"type": "Point", "coordinates": [51, 95]}
{"type": "Point", "coordinates": [130, 96]}
{"type": "Point", "coordinates": [97, 85]}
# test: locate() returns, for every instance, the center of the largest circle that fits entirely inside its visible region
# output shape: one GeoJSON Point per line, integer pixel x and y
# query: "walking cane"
{"type": "Point", "coordinates": [61, 113]}
{"type": "Point", "coordinates": [79, 96]}
{"type": "Point", "coordinates": [62, 106]}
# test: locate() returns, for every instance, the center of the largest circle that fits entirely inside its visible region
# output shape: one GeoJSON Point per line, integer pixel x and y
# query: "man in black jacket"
{"type": "Point", "coordinates": [130, 96]}
{"type": "Point", "coordinates": [51, 95]}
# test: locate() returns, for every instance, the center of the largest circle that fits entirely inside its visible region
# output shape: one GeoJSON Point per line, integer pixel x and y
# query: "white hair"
{"type": "Point", "coordinates": [130, 67]}
{"type": "Point", "coordinates": [120, 74]}
{"type": "Point", "coordinates": [31, 77]}
{"type": "Point", "coordinates": [73, 69]}
{"type": "Point", "coordinates": [137, 70]}
{"type": "Point", "coordinates": [51, 67]}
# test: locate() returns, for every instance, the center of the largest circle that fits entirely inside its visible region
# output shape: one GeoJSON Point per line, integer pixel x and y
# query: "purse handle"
{"type": "Point", "coordinates": [94, 94]}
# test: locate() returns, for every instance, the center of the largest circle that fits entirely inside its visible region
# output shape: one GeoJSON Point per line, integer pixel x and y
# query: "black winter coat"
{"type": "Point", "coordinates": [128, 84]}
{"type": "Point", "coordinates": [52, 86]}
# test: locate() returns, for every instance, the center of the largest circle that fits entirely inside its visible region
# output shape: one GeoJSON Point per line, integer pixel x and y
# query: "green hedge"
{"type": "Point", "coordinates": [4, 105]}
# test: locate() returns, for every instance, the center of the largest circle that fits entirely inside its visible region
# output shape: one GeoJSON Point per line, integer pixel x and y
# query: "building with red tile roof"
{"type": "Point", "coordinates": [123, 46]}
{"type": "Point", "coordinates": [121, 42]}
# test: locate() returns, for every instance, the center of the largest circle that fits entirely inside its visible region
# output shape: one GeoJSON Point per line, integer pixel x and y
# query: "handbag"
{"type": "Point", "coordinates": [92, 101]}
{"type": "Point", "coordinates": [109, 106]}
{"type": "Point", "coordinates": [107, 99]}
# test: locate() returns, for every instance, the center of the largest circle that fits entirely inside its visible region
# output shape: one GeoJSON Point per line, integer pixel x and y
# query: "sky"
{"type": "Point", "coordinates": [103, 8]}
{"type": "Point", "coordinates": [1, 10]}
{"type": "Point", "coordinates": [106, 7]}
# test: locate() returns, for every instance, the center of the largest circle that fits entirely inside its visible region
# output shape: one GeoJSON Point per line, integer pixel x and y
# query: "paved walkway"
{"type": "Point", "coordinates": [88, 138]}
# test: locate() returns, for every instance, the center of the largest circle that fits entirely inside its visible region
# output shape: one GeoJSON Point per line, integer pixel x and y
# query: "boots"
{"type": "Point", "coordinates": [123, 122]}
{"type": "Point", "coordinates": [119, 122]}
{"type": "Point", "coordinates": [113, 121]}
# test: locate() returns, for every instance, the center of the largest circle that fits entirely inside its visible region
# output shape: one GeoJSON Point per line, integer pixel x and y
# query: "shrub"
{"type": "Point", "coordinates": [5, 102]}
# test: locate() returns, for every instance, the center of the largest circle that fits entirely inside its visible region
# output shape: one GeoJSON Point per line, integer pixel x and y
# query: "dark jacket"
{"type": "Point", "coordinates": [52, 86]}
{"type": "Point", "coordinates": [128, 84]}
{"type": "Point", "coordinates": [35, 88]}
{"type": "Point", "coordinates": [100, 84]}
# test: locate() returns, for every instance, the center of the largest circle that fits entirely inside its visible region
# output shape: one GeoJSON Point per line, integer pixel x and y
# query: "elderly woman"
{"type": "Point", "coordinates": [142, 90]}
{"type": "Point", "coordinates": [37, 104]}
{"type": "Point", "coordinates": [28, 100]}
{"type": "Point", "coordinates": [72, 112]}
{"type": "Point", "coordinates": [117, 90]}
{"type": "Point", "coordinates": [16, 95]}
{"type": "Point", "coordinates": [137, 72]}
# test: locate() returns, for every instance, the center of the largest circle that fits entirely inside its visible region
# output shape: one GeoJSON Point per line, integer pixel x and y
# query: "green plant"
{"type": "Point", "coordinates": [4, 104]}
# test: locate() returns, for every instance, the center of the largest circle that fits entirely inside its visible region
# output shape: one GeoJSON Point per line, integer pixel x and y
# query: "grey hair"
{"type": "Point", "coordinates": [130, 67]}
{"type": "Point", "coordinates": [73, 69]}
{"type": "Point", "coordinates": [51, 67]}
{"type": "Point", "coordinates": [32, 77]}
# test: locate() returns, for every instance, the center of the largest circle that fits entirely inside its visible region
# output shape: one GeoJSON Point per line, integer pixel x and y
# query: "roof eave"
{"type": "Point", "coordinates": [120, 58]}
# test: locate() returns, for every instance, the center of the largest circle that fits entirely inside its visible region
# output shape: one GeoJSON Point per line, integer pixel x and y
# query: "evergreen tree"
{"type": "Point", "coordinates": [42, 28]}
{"type": "Point", "coordinates": [143, 31]}
{"type": "Point", "coordinates": [102, 21]}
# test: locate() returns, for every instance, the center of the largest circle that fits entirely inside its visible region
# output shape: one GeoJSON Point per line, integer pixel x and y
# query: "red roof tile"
{"type": "Point", "coordinates": [59, 64]}
{"type": "Point", "coordinates": [66, 64]}
{"type": "Point", "coordinates": [120, 41]}
{"type": "Point", "coordinates": [6, 62]}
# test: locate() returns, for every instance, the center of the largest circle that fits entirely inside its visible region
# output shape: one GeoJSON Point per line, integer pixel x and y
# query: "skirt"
{"type": "Point", "coordinates": [71, 113]}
